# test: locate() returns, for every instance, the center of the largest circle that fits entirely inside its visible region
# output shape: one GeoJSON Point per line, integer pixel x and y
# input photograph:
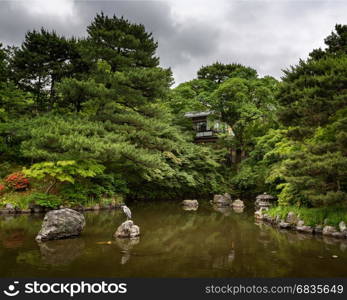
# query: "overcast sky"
{"type": "Point", "coordinates": [266, 35]}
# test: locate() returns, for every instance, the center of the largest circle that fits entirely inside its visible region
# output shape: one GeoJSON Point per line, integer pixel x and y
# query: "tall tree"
{"type": "Point", "coordinates": [218, 72]}
{"type": "Point", "coordinates": [44, 59]}
{"type": "Point", "coordinates": [315, 89]}
{"type": "Point", "coordinates": [3, 64]}
{"type": "Point", "coordinates": [248, 106]}
{"type": "Point", "coordinates": [314, 102]}
{"type": "Point", "coordinates": [122, 44]}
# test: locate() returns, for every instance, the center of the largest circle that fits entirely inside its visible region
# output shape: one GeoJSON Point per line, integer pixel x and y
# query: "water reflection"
{"type": "Point", "coordinates": [239, 209]}
{"type": "Point", "coordinates": [224, 210]}
{"type": "Point", "coordinates": [190, 208]}
{"type": "Point", "coordinates": [126, 245]}
{"type": "Point", "coordinates": [211, 242]}
{"type": "Point", "coordinates": [61, 252]}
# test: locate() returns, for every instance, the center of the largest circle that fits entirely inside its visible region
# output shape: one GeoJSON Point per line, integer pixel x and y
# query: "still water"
{"type": "Point", "coordinates": [209, 242]}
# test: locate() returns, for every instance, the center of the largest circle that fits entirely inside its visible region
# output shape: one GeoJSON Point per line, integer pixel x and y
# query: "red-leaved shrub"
{"type": "Point", "coordinates": [2, 189]}
{"type": "Point", "coordinates": [17, 181]}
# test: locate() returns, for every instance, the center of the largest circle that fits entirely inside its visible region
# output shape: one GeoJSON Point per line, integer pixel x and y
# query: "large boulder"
{"type": "Point", "coordinates": [221, 200]}
{"type": "Point", "coordinates": [127, 230]}
{"type": "Point", "coordinates": [190, 203]}
{"type": "Point", "coordinates": [61, 224]}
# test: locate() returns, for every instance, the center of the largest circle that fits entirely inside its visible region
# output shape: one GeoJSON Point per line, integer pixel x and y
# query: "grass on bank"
{"type": "Point", "coordinates": [312, 216]}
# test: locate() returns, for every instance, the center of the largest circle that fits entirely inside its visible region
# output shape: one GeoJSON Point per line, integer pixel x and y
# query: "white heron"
{"type": "Point", "coordinates": [127, 211]}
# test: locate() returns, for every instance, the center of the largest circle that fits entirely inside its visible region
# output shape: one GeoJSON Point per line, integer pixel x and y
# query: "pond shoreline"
{"type": "Point", "coordinates": [39, 209]}
{"type": "Point", "coordinates": [293, 223]}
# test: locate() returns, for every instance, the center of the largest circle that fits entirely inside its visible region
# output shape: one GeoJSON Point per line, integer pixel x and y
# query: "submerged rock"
{"type": "Point", "coordinates": [190, 203]}
{"type": "Point", "coordinates": [127, 230]}
{"type": "Point", "coordinates": [61, 224]}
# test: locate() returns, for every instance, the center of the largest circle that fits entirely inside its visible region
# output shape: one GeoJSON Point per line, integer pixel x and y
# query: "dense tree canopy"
{"type": "Point", "coordinates": [114, 114]}
{"type": "Point", "coordinates": [219, 72]}
{"type": "Point", "coordinates": [122, 44]}
{"type": "Point", "coordinates": [96, 117]}
{"type": "Point", "coordinates": [43, 60]}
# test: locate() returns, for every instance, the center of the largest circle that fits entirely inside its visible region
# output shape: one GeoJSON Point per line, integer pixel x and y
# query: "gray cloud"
{"type": "Point", "coordinates": [266, 35]}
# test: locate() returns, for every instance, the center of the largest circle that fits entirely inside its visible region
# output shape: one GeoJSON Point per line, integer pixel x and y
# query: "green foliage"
{"type": "Point", "coordinates": [313, 96]}
{"type": "Point", "coordinates": [43, 60]}
{"type": "Point", "coordinates": [94, 189]}
{"type": "Point", "coordinates": [13, 102]}
{"type": "Point", "coordinates": [312, 92]}
{"type": "Point", "coordinates": [315, 89]}
{"type": "Point", "coordinates": [115, 115]}
{"type": "Point", "coordinates": [44, 200]}
{"type": "Point", "coordinates": [64, 170]}
{"type": "Point", "coordinates": [191, 96]}
{"type": "Point", "coordinates": [260, 171]}
{"type": "Point", "coordinates": [121, 43]}
{"type": "Point", "coordinates": [219, 72]}
{"type": "Point", "coordinates": [312, 216]}
{"type": "Point", "coordinates": [247, 106]}
{"type": "Point", "coordinates": [17, 199]}
{"type": "Point", "coordinates": [97, 116]}
{"type": "Point", "coordinates": [3, 64]}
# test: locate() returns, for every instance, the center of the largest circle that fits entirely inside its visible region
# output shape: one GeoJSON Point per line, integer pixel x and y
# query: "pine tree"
{"type": "Point", "coordinates": [121, 44]}
{"type": "Point", "coordinates": [44, 59]}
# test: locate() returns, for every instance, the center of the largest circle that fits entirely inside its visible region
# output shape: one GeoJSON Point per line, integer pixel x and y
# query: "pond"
{"type": "Point", "coordinates": [209, 242]}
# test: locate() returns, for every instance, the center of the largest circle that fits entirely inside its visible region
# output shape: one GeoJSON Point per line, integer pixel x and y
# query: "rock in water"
{"type": "Point", "coordinates": [238, 203]}
{"type": "Point", "coordinates": [61, 224]}
{"type": "Point", "coordinates": [190, 203]}
{"type": "Point", "coordinates": [303, 228]}
{"type": "Point", "coordinates": [221, 200]}
{"type": "Point", "coordinates": [329, 230]}
{"type": "Point", "coordinates": [127, 230]}
{"type": "Point", "coordinates": [284, 225]}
